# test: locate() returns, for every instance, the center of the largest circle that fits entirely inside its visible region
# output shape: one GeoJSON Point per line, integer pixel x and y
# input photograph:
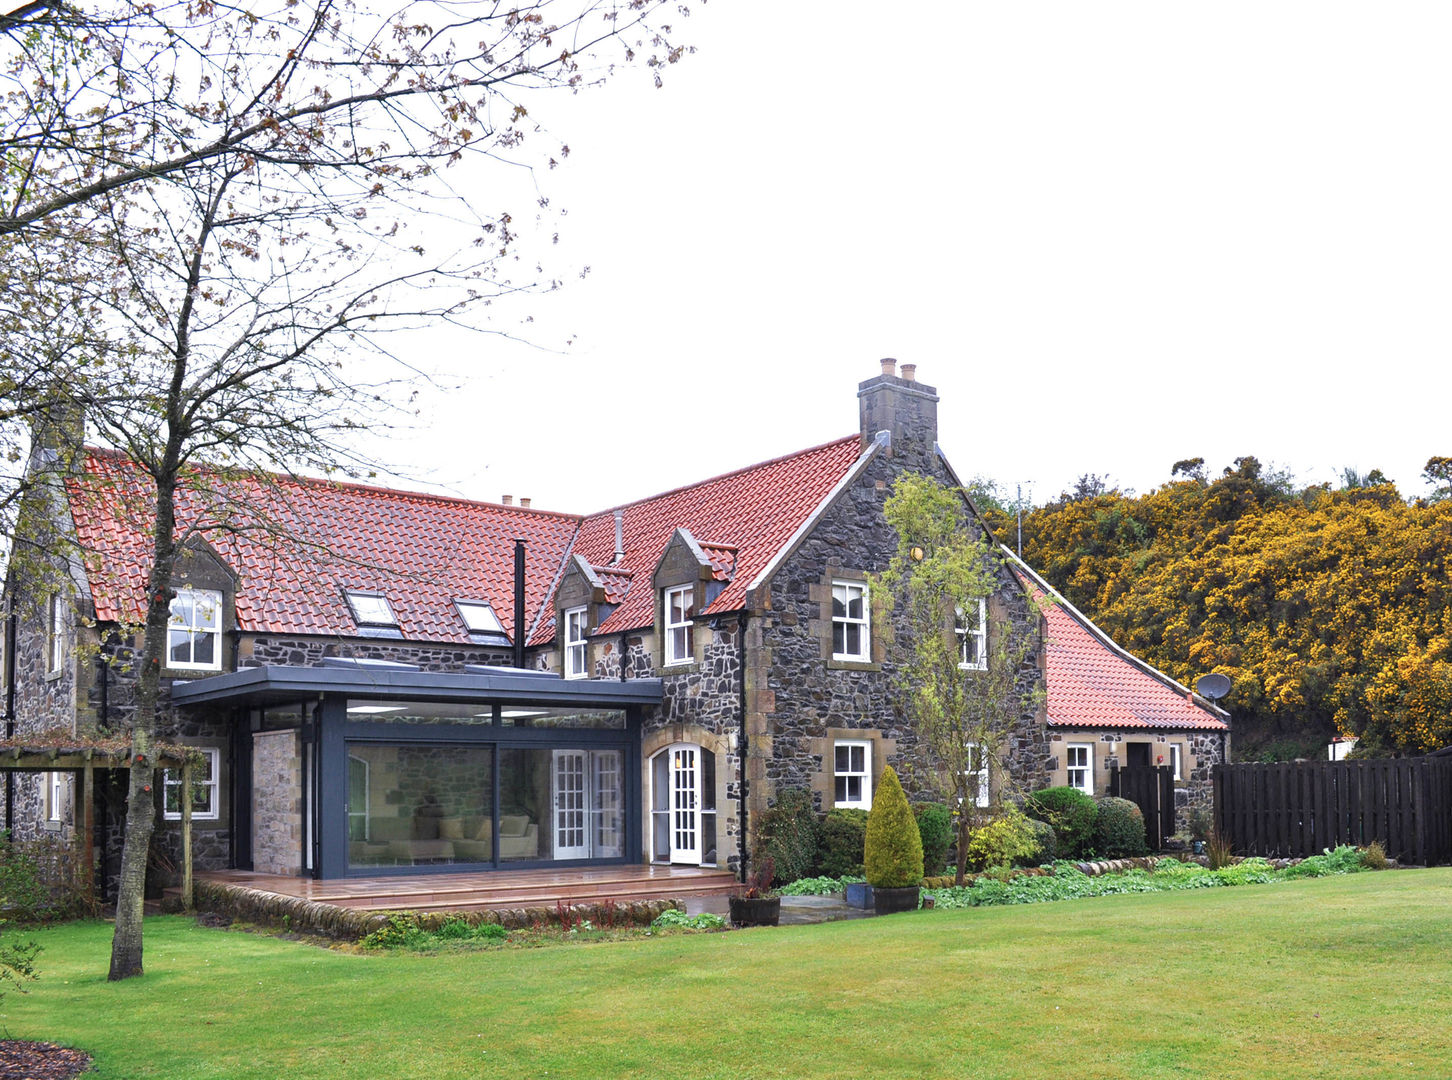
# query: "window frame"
{"type": "Point", "coordinates": [864, 801]}
{"type": "Point", "coordinates": [847, 622]}
{"type": "Point", "coordinates": [1177, 757]}
{"type": "Point", "coordinates": [171, 779]}
{"type": "Point", "coordinates": [978, 634]}
{"type": "Point", "coordinates": [467, 607]}
{"type": "Point", "coordinates": [55, 652]}
{"type": "Point", "coordinates": [354, 597]}
{"type": "Point", "coordinates": [674, 655]}
{"type": "Point", "coordinates": [194, 631]}
{"type": "Point", "coordinates": [54, 795]}
{"type": "Point", "coordinates": [1087, 768]}
{"type": "Point", "coordinates": [576, 650]}
{"type": "Point", "coordinates": [984, 796]}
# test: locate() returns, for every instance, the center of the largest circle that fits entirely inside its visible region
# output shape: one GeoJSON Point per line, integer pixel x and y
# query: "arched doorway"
{"type": "Point", "coordinates": [683, 805]}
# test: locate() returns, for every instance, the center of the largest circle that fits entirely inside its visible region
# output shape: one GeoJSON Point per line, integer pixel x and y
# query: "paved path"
{"type": "Point", "coordinates": [795, 910]}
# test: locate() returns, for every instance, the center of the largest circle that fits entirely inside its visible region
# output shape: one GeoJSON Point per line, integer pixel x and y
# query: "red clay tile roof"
{"type": "Point", "coordinates": [616, 582]}
{"type": "Point", "coordinates": [421, 551]}
{"type": "Point", "coordinates": [723, 560]}
{"type": "Point", "coordinates": [1091, 683]}
{"type": "Point", "coordinates": [753, 512]}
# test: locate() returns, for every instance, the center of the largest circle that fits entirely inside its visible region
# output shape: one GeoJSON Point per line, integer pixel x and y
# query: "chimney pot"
{"type": "Point", "coordinates": [909, 372]}
{"type": "Point", "coordinates": [524, 503]}
{"type": "Point", "coordinates": [889, 366]}
{"type": "Point", "coordinates": [508, 500]}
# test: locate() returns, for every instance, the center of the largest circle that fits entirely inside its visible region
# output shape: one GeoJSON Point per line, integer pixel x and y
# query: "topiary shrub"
{"type": "Point", "coordinates": [935, 828]}
{"type": "Point", "coordinates": [1047, 841]}
{"type": "Point", "coordinates": [1119, 830]}
{"type": "Point", "coordinates": [788, 835]}
{"type": "Point", "coordinates": [1071, 813]}
{"type": "Point", "coordinates": [840, 848]}
{"type": "Point", "coordinates": [1005, 841]}
{"type": "Point", "coordinates": [892, 854]}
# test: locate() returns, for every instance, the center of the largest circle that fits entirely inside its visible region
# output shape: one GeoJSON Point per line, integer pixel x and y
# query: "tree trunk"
{"type": "Point", "coordinates": [141, 802]}
{"type": "Point", "coordinates": [131, 891]}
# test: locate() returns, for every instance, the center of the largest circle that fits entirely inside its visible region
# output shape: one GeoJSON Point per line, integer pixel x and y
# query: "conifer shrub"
{"type": "Point", "coordinates": [893, 849]}
{"type": "Point", "coordinates": [935, 827]}
{"type": "Point", "coordinates": [788, 835]}
{"type": "Point", "coordinates": [1119, 829]}
{"type": "Point", "coordinates": [1072, 815]}
{"type": "Point", "coordinates": [843, 835]}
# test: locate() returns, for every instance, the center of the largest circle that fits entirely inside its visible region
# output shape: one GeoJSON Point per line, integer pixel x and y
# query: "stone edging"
{"type": "Point", "coordinates": [350, 924]}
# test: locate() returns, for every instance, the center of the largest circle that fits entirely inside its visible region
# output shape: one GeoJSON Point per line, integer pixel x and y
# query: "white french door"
{"type": "Point", "coordinates": [683, 818]}
{"type": "Point", "coordinates": [588, 798]}
{"type": "Point", "coordinates": [571, 835]}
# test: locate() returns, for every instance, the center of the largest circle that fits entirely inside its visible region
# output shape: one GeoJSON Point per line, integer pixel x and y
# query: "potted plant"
{"type": "Point", "coordinates": [757, 904]}
{"type": "Point", "coordinates": [893, 849]}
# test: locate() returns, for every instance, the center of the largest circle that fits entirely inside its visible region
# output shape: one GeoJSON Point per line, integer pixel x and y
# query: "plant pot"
{"type": "Point", "coordinates": [859, 894]}
{"type": "Point", "coordinates": [889, 901]}
{"type": "Point", "coordinates": [755, 910]}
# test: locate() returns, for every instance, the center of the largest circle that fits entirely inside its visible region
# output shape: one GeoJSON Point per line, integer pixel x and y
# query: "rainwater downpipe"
{"type": "Point", "coordinates": [519, 629]}
{"type": "Point", "coordinates": [745, 741]}
{"type": "Point", "coordinates": [11, 623]}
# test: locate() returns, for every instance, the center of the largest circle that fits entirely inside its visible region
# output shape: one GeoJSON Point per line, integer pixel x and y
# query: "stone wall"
{"type": "Point", "coordinates": [267, 649]}
{"type": "Point", "coordinates": [799, 703]}
{"type": "Point", "coordinates": [277, 820]}
{"type": "Point", "coordinates": [700, 703]}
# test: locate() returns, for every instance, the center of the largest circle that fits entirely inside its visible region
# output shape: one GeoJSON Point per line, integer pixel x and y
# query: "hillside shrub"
{"type": "Point", "coordinates": [935, 828]}
{"type": "Point", "coordinates": [892, 850]}
{"type": "Point", "coordinates": [1119, 829]}
{"type": "Point", "coordinates": [789, 835]}
{"type": "Point", "coordinates": [843, 835]}
{"type": "Point", "coordinates": [1005, 841]}
{"type": "Point", "coordinates": [1072, 815]}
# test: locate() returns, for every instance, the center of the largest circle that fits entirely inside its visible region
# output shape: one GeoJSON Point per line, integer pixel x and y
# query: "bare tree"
{"type": "Point", "coordinates": [211, 216]}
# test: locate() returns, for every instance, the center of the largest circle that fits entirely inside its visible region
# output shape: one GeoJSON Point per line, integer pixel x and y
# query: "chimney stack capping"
{"type": "Point", "coordinates": [507, 500]}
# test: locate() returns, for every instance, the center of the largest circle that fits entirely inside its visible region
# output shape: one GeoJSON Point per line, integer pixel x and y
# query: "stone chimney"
{"type": "Point", "coordinates": [901, 406]}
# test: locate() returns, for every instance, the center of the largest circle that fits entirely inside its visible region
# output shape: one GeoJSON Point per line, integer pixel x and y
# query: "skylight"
{"type": "Point", "coordinates": [371, 609]}
{"type": "Point", "coordinates": [479, 617]}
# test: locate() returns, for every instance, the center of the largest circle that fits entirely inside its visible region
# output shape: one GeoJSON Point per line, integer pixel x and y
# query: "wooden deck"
{"type": "Point", "coordinates": [493, 890]}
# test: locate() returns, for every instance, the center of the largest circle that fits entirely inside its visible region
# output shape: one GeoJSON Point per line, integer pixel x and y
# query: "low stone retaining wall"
{"type": "Point", "coordinates": [351, 924]}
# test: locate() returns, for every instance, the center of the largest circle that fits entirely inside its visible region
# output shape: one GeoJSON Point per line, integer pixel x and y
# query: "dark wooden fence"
{"type": "Point", "coordinates": [1152, 789]}
{"type": "Point", "coordinates": [1301, 808]}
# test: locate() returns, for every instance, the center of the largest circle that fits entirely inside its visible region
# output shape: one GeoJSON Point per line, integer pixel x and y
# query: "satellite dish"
{"type": "Point", "coordinates": [1211, 687]}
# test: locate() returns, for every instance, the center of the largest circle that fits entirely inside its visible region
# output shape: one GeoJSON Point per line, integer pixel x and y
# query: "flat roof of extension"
{"type": "Point", "coordinates": [505, 686]}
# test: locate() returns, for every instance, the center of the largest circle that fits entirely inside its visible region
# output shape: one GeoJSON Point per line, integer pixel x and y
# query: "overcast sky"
{"type": "Point", "coordinates": [1113, 235]}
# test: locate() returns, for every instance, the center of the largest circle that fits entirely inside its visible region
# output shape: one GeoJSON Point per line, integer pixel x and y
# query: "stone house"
{"type": "Point", "coordinates": [391, 682]}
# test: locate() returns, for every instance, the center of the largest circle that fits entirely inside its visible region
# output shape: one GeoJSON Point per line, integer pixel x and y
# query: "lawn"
{"type": "Point", "coordinates": [1345, 977]}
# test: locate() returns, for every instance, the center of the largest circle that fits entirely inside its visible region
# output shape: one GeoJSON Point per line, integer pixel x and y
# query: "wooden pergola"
{"type": "Point", "coordinates": [83, 755]}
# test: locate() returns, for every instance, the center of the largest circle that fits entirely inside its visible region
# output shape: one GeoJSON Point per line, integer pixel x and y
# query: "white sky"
{"type": "Point", "coordinates": [1113, 235]}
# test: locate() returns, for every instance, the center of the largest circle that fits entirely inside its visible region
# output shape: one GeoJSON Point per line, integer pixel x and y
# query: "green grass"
{"type": "Point", "coordinates": [1343, 977]}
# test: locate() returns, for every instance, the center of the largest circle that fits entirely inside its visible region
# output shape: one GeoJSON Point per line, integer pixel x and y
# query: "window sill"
{"type": "Point", "coordinates": [845, 664]}
{"type": "Point", "coordinates": [195, 818]}
{"type": "Point", "coordinates": [55, 676]}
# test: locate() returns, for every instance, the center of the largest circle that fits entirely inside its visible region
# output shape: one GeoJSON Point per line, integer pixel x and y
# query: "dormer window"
{"type": "Point", "coordinates": [680, 605]}
{"type": "Point", "coordinates": [972, 630]}
{"type": "Point", "coordinates": [481, 622]}
{"type": "Point", "coordinates": [372, 611]}
{"type": "Point", "coordinates": [575, 645]}
{"type": "Point", "coordinates": [194, 631]}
